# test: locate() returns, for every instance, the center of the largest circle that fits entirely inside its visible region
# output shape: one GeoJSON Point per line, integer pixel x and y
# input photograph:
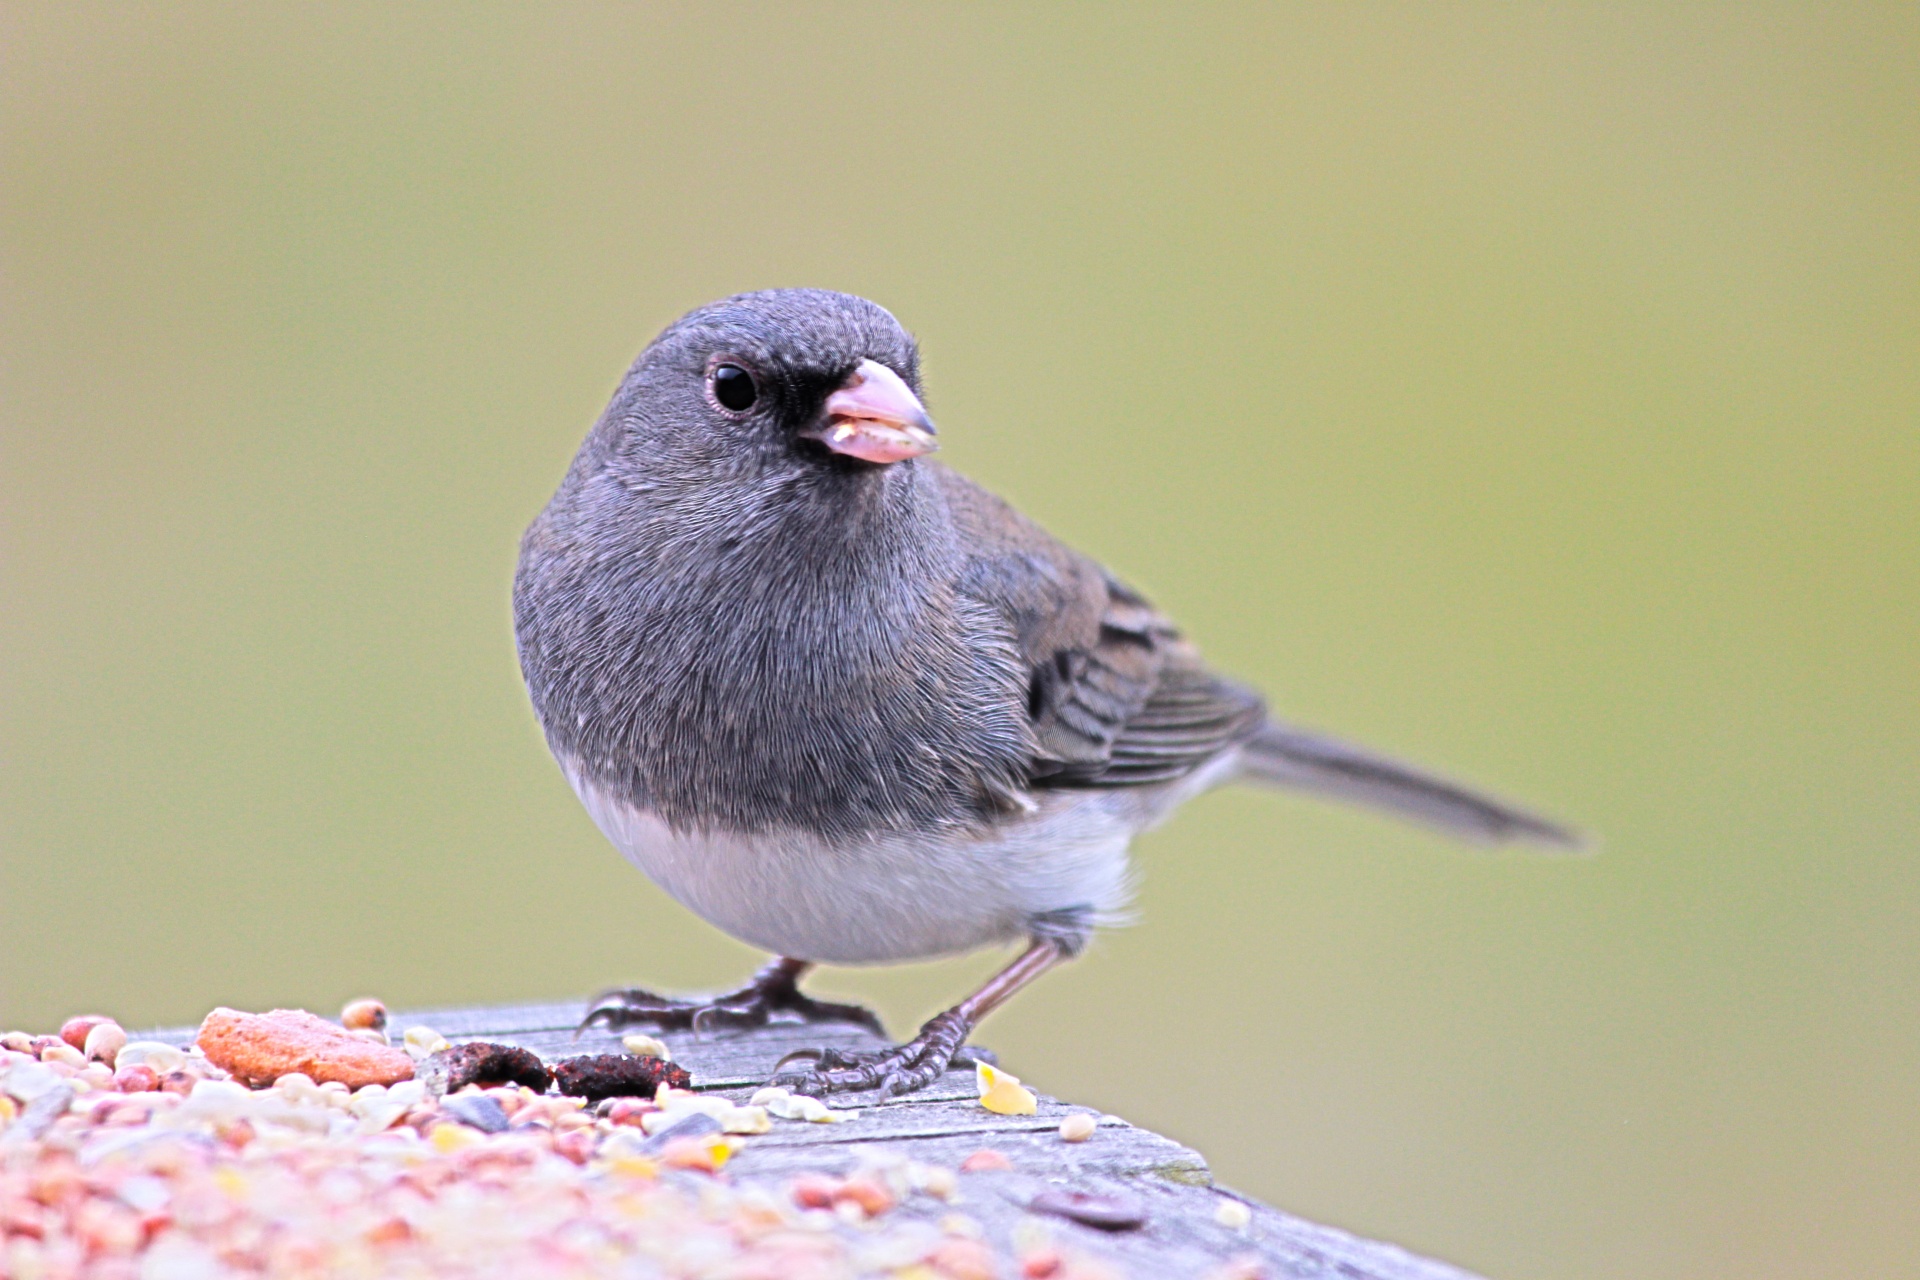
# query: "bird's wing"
{"type": "Point", "coordinates": [1116, 698]}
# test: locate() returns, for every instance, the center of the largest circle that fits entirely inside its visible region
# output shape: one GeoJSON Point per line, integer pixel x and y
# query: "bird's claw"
{"type": "Point", "coordinates": [754, 1005]}
{"type": "Point", "coordinates": [893, 1071]}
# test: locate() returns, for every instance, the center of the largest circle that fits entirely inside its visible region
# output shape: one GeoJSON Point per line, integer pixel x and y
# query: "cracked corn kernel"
{"type": "Point", "coordinates": [1003, 1094]}
{"type": "Point", "coordinates": [1078, 1127]}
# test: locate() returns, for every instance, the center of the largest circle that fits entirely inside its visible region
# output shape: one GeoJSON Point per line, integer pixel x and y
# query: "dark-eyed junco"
{"type": "Point", "coordinates": [852, 708]}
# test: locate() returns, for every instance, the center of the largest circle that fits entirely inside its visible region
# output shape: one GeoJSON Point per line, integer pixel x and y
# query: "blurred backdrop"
{"type": "Point", "coordinates": [1530, 392]}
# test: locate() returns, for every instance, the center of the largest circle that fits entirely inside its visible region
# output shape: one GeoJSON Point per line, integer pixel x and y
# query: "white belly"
{"type": "Point", "coordinates": [889, 897]}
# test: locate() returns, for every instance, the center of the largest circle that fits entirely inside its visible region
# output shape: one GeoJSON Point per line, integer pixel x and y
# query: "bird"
{"type": "Point", "coordinates": [850, 707]}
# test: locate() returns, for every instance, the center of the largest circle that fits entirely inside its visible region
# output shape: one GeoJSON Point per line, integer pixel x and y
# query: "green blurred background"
{"type": "Point", "coordinates": [1532, 392]}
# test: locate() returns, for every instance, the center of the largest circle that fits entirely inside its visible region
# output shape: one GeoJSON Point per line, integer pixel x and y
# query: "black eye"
{"type": "Point", "coordinates": [733, 387]}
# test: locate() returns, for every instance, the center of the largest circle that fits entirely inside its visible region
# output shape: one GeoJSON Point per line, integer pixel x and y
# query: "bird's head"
{"type": "Point", "coordinates": [785, 377]}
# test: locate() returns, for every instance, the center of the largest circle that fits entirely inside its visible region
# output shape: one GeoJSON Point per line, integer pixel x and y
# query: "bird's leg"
{"type": "Point", "coordinates": [775, 989]}
{"type": "Point", "coordinates": [925, 1058]}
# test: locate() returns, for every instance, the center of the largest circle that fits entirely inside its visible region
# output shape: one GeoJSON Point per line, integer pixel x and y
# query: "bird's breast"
{"type": "Point", "coordinates": [889, 897]}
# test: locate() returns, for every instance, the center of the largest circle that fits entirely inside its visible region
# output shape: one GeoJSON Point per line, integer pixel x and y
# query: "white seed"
{"type": "Point", "coordinates": [1233, 1215]}
{"type": "Point", "coordinates": [163, 1058]}
{"type": "Point", "coordinates": [409, 1093]}
{"type": "Point", "coordinates": [28, 1080]}
{"type": "Point", "coordinates": [647, 1047]}
{"type": "Point", "coordinates": [422, 1042]}
{"type": "Point", "coordinates": [1078, 1127]}
{"type": "Point", "coordinates": [681, 1103]}
{"type": "Point", "coordinates": [767, 1095]}
{"type": "Point", "coordinates": [382, 1115]}
{"type": "Point", "coordinates": [64, 1054]}
{"type": "Point", "coordinates": [105, 1042]}
{"type": "Point", "coordinates": [371, 1035]}
{"type": "Point", "coordinates": [746, 1120]}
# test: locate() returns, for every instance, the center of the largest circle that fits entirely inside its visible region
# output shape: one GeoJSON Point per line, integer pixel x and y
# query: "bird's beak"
{"type": "Point", "coordinates": [876, 417]}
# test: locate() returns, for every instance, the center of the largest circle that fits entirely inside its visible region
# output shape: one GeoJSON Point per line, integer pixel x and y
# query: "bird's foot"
{"type": "Point", "coordinates": [775, 989]}
{"type": "Point", "coordinates": [901, 1069]}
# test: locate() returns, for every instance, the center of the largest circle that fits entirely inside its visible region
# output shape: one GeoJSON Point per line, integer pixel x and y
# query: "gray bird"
{"type": "Point", "coordinates": [852, 708]}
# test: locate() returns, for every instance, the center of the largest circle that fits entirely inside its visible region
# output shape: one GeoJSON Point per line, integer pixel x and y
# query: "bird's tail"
{"type": "Point", "coordinates": [1288, 757]}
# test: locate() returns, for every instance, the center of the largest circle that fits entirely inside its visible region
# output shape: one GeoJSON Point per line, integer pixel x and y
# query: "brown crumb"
{"type": "Point", "coordinates": [617, 1075]}
{"type": "Point", "coordinates": [486, 1064]}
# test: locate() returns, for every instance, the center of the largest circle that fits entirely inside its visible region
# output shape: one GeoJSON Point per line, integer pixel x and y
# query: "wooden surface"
{"type": "Point", "coordinates": [945, 1124]}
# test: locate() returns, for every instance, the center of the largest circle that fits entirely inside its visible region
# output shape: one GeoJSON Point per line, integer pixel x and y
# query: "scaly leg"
{"type": "Point", "coordinates": [775, 989]}
{"type": "Point", "coordinates": [925, 1058]}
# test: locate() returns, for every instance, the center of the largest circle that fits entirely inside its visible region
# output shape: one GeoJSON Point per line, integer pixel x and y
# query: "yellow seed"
{"type": "Point", "coordinates": [449, 1138]}
{"type": "Point", "coordinates": [1003, 1094]}
{"type": "Point", "coordinates": [1078, 1127]}
{"type": "Point", "coordinates": [9, 1110]}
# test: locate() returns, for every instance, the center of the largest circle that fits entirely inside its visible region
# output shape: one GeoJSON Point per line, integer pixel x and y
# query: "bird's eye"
{"type": "Point", "coordinates": [733, 388]}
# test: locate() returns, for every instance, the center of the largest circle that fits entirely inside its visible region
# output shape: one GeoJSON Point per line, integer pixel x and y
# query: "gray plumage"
{"type": "Point", "coordinates": [731, 632]}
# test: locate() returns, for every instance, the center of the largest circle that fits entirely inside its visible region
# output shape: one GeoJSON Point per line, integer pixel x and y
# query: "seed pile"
{"type": "Point", "coordinates": [135, 1160]}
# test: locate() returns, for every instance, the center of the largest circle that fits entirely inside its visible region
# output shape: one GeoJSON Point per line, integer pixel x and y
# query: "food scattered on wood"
{"type": "Point", "coordinates": [616, 1075]}
{"type": "Point", "coordinates": [137, 1158]}
{"type": "Point", "coordinates": [1107, 1213]}
{"type": "Point", "coordinates": [259, 1048]}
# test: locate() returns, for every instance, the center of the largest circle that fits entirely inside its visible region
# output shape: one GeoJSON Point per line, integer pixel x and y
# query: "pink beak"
{"type": "Point", "coordinates": [876, 417]}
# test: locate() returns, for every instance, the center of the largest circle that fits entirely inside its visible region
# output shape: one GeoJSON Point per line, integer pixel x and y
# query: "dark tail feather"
{"type": "Point", "coordinates": [1290, 757]}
